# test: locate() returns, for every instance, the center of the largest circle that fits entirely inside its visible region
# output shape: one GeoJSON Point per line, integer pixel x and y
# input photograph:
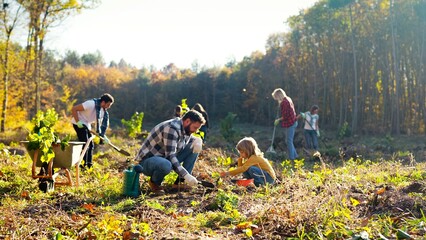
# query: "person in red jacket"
{"type": "Point", "coordinates": [288, 119]}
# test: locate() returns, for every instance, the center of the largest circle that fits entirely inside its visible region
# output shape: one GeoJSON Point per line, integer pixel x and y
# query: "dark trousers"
{"type": "Point", "coordinates": [83, 135]}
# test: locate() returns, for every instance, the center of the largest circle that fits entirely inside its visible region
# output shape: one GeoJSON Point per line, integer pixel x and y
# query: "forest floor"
{"type": "Point", "coordinates": [359, 185]}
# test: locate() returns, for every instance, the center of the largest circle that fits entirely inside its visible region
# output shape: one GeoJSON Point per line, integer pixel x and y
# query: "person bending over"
{"type": "Point", "coordinates": [86, 113]}
{"type": "Point", "coordinates": [252, 164]}
{"type": "Point", "coordinates": [168, 146]}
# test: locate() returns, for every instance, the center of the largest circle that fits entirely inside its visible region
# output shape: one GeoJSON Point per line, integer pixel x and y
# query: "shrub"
{"type": "Point", "coordinates": [134, 125]}
{"type": "Point", "coordinates": [226, 127]}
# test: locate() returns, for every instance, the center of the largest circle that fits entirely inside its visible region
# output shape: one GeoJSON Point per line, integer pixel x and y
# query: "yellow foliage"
{"type": "Point", "coordinates": [16, 118]}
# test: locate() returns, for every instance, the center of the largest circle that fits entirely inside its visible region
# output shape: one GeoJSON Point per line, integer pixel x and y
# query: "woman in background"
{"type": "Point", "coordinates": [288, 119]}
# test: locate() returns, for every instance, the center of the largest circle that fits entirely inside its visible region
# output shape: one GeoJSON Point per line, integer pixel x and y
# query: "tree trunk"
{"type": "Point", "coordinates": [6, 70]}
{"type": "Point", "coordinates": [395, 70]}
{"type": "Point", "coordinates": [355, 98]}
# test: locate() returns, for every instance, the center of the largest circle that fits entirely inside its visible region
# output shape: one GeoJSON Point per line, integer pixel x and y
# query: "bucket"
{"type": "Point", "coordinates": [131, 182]}
{"type": "Point", "coordinates": [243, 182]}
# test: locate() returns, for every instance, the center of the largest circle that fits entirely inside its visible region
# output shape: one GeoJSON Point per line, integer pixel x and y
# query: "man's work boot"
{"type": "Point", "coordinates": [158, 190]}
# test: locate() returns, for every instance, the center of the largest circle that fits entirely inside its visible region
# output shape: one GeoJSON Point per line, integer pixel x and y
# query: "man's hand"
{"type": "Point", "coordinates": [80, 124]}
{"type": "Point", "coordinates": [190, 180]}
{"type": "Point", "coordinates": [197, 145]}
{"type": "Point", "coordinates": [318, 133]}
{"type": "Point", "coordinates": [277, 121]}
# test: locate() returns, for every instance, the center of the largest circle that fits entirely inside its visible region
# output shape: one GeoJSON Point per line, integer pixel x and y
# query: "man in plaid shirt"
{"type": "Point", "coordinates": [167, 146]}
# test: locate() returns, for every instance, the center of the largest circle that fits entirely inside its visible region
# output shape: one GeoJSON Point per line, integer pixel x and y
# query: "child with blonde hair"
{"type": "Point", "coordinates": [252, 164]}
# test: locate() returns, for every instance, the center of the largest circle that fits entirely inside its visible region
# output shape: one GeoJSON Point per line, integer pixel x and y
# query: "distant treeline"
{"type": "Point", "coordinates": [362, 62]}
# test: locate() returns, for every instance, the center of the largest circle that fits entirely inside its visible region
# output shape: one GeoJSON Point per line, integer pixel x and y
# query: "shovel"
{"type": "Point", "coordinates": [122, 151]}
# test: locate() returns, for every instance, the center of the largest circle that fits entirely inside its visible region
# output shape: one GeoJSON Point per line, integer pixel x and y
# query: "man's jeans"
{"type": "Point", "coordinates": [158, 167]}
{"type": "Point", "coordinates": [259, 176]}
{"type": "Point", "coordinates": [290, 131]}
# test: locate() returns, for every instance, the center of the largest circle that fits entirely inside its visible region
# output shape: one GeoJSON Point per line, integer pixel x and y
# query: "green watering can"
{"type": "Point", "coordinates": [131, 182]}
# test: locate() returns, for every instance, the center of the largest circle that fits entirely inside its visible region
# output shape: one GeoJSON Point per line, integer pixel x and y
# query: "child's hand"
{"type": "Point", "coordinates": [223, 174]}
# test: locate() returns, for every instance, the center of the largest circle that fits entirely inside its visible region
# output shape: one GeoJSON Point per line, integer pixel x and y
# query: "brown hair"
{"type": "Point", "coordinates": [249, 146]}
{"type": "Point", "coordinates": [195, 116]}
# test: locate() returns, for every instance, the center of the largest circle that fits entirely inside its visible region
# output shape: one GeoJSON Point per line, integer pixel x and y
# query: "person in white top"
{"type": "Point", "coordinates": [86, 113]}
{"type": "Point", "coordinates": [311, 128]}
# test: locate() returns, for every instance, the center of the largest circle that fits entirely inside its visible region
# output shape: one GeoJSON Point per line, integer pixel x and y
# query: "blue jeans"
{"type": "Point", "coordinates": [311, 139]}
{"type": "Point", "coordinates": [290, 131]}
{"type": "Point", "coordinates": [257, 175]}
{"type": "Point", "coordinates": [158, 167]}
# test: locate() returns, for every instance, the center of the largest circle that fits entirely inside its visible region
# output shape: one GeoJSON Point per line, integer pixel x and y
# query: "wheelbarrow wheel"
{"type": "Point", "coordinates": [46, 185]}
{"type": "Point", "coordinates": [44, 170]}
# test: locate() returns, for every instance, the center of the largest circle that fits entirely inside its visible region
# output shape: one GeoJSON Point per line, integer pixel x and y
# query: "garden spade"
{"type": "Point", "coordinates": [122, 151]}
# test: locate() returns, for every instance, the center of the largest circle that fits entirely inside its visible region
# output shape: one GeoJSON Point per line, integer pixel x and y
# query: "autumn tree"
{"type": "Point", "coordinates": [43, 14]}
{"type": "Point", "coordinates": [9, 16]}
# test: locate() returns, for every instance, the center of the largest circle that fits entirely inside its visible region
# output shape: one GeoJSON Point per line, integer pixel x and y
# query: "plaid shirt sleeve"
{"type": "Point", "coordinates": [163, 141]}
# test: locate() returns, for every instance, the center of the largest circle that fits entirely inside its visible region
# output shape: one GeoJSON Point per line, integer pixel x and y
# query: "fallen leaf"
{"type": "Point", "coordinates": [75, 217]}
{"type": "Point", "coordinates": [88, 206]}
{"type": "Point", "coordinates": [243, 225]}
{"type": "Point", "coordinates": [256, 230]}
{"type": "Point", "coordinates": [204, 175]}
{"type": "Point", "coordinates": [381, 191]}
{"type": "Point", "coordinates": [127, 235]}
{"type": "Point", "coordinates": [354, 202]}
{"type": "Point", "coordinates": [25, 194]}
{"type": "Point", "coordinates": [364, 222]}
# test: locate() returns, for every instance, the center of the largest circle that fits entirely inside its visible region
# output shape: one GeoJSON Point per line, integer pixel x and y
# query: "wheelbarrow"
{"type": "Point", "coordinates": [65, 159]}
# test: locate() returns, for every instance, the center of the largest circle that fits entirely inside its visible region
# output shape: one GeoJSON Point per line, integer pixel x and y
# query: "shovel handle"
{"type": "Point", "coordinates": [112, 145]}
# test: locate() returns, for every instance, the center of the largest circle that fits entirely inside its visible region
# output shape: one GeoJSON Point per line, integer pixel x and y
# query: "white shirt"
{"type": "Point", "coordinates": [312, 119]}
{"type": "Point", "coordinates": [88, 116]}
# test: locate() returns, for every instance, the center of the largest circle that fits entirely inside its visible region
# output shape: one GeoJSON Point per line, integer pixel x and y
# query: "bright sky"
{"type": "Point", "coordinates": [159, 32]}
